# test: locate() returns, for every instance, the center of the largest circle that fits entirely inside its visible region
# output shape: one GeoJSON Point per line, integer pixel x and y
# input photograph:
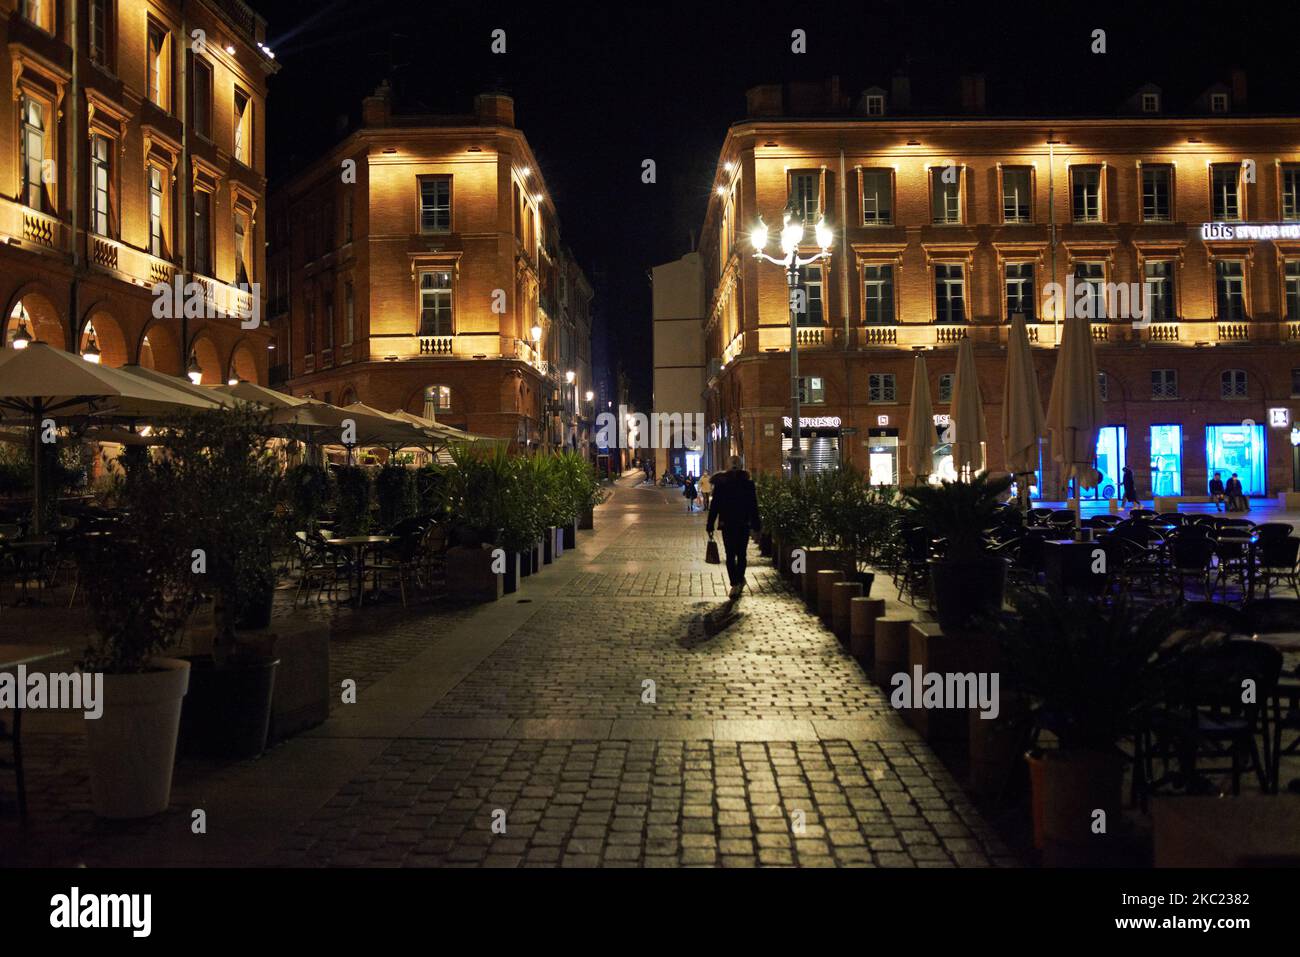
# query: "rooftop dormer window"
{"type": "Point", "coordinates": [1150, 102]}
{"type": "Point", "coordinates": [1218, 103]}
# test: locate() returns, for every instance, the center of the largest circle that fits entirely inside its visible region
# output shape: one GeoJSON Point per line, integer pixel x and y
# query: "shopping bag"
{"type": "Point", "coordinates": [711, 553]}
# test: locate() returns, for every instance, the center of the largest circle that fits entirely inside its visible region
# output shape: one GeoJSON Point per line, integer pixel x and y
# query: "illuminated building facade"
{"type": "Point", "coordinates": [945, 226]}
{"type": "Point", "coordinates": [418, 265]}
{"type": "Point", "coordinates": [132, 155]}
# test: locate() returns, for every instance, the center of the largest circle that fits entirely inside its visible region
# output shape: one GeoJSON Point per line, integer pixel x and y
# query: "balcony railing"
{"type": "Point", "coordinates": [135, 264]}
{"type": "Point", "coordinates": [880, 335]}
{"type": "Point", "coordinates": [436, 345]}
{"type": "Point", "coordinates": [31, 226]}
{"type": "Point", "coordinates": [1234, 332]}
{"type": "Point", "coordinates": [1163, 332]}
{"type": "Point", "coordinates": [949, 335]}
{"type": "Point", "coordinates": [814, 336]}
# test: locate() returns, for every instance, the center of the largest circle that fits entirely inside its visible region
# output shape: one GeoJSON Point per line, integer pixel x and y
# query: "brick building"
{"type": "Point", "coordinates": [946, 225]}
{"type": "Point", "coordinates": [418, 265]}
{"type": "Point", "coordinates": [132, 153]}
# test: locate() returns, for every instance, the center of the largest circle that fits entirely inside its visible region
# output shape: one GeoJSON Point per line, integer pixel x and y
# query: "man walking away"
{"type": "Point", "coordinates": [706, 489]}
{"type": "Point", "coordinates": [1216, 492]}
{"type": "Point", "coordinates": [1129, 485]}
{"type": "Point", "coordinates": [735, 509]}
{"type": "Point", "coordinates": [688, 490]}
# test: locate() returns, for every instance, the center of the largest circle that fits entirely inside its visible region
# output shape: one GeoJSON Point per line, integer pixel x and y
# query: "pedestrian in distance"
{"type": "Point", "coordinates": [706, 490]}
{"type": "Point", "coordinates": [1128, 486]}
{"type": "Point", "coordinates": [735, 510]}
{"type": "Point", "coordinates": [1216, 492]}
{"type": "Point", "coordinates": [689, 493]}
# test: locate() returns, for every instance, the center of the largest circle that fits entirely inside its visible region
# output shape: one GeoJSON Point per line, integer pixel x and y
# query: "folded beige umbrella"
{"type": "Point", "coordinates": [1074, 411]}
{"type": "Point", "coordinates": [920, 424]}
{"type": "Point", "coordinates": [969, 432]}
{"type": "Point", "coordinates": [1022, 410]}
{"type": "Point", "coordinates": [211, 397]}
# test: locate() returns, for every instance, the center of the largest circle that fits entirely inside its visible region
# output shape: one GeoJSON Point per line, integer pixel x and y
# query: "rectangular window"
{"type": "Point", "coordinates": [1158, 278]}
{"type": "Point", "coordinates": [1103, 386]}
{"type": "Point", "coordinates": [309, 328]}
{"type": "Point", "coordinates": [101, 172]}
{"type": "Point", "coordinates": [1020, 290]}
{"type": "Point", "coordinates": [945, 194]}
{"type": "Point", "coordinates": [949, 293]}
{"type": "Point", "coordinates": [435, 204]}
{"type": "Point", "coordinates": [435, 302]}
{"type": "Point", "coordinates": [1090, 290]}
{"type": "Point", "coordinates": [33, 153]}
{"type": "Point", "coordinates": [1166, 460]}
{"type": "Point", "coordinates": [349, 314]}
{"type": "Point", "coordinates": [1230, 289]}
{"type": "Point", "coordinates": [243, 127]}
{"type": "Point", "coordinates": [945, 387]}
{"type": "Point", "coordinates": [1291, 193]}
{"type": "Point", "coordinates": [347, 218]}
{"type": "Point", "coordinates": [328, 339]}
{"type": "Point", "coordinates": [812, 390]}
{"type": "Point", "coordinates": [806, 195]}
{"type": "Point", "coordinates": [241, 248]}
{"type": "Point", "coordinates": [1225, 194]}
{"type": "Point", "coordinates": [201, 99]}
{"type": "Point", "coordinates": [1017, 195]}
{"type": "Point", "coordinates": [1157, 188]}
{"type": "Point", "coordinates": [157, 207]}
{"type": "Point", "coordinates": [1292, 274]}
{"type": "Point", "coordinates": [1085, 194]}
{"type": "Point", "coordinates": [39, 12]}
{"type": "Point", "coordinates": [202, 232]}
{"type": "Point", "coordinates": [1164, 383]}
{"type": "Point", "coordinates": [877, 197]}
{"type": "Point", "coordinates": [159, 67]}
{"type": "Point", "coordinates": [878, 295]}
{"type": "Point", "coordinates": [1233, 384]}
{"type": "Point", "coordinates": [440, 396]}
{"type": "Point", "coordinates": [810, 281]}
{"type": "Point", "coordinates": [880, 387]}
{"type": "Point", "coordinates": [100, 31]}
{"type": "Point", "coordinates": [1295, 382]}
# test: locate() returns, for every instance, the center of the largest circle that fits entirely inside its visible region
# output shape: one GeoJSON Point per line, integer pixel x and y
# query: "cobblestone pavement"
{"type": "Point", "coordinates": [613, 712]}
{"type": "Point", "coordinates": [560, 757]}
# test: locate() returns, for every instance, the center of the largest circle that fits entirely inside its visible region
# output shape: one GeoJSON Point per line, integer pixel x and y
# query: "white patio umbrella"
{"type": "Point", "coordinates": [1074, 410]}
{"type": "Point", "coordinates": [42, 382]}
{"type": "Point", "coordinates": [969, 431]}
{"type": "Point", "coordinates": [1022, 411]}
{"type": "Point", "coordinates": [211, 397]}
{"type": "Point", "coordinates": [919, 457]}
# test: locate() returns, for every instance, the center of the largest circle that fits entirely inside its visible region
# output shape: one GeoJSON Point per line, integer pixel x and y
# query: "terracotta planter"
{"type": "Point", "coordinates": [1068, 788]}
{"type": "Point", "coordinates": [132, 745]}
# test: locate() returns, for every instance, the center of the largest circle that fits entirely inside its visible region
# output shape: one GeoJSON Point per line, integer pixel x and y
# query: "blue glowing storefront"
{"type": "Point", "coordinates": [1239, 447]}
{"type": "Point", "coordinates": [1166, 460]}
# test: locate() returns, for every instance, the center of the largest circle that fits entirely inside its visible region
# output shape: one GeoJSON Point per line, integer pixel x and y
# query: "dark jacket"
{"type": "Point", "coordinates": [735, 502]}
{"type": "Point", "coordinates": [1128, 485]}
{"type": "Point", "coordinates": [1216, 486]}
{"type": "Point", "coordinates": [1233, 487]}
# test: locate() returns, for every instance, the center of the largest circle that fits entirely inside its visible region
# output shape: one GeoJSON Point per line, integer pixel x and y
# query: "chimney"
{"type": "Point", "coordinates": [377, 108]}
{"type": "Point", "coordinates": [972, 93]}
{"type": "Point", "coordinates": [763, 100]}
{"type": "Point", "coordinates": [1238, 89]}
{"type": "Point", "coordinates": [900, 93]}
{"type": "Point", "coordinates": [494, 109]}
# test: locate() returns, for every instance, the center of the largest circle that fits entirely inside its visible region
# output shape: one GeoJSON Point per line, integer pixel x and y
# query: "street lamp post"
{"type": "Point", "coordinates": [792, 234]}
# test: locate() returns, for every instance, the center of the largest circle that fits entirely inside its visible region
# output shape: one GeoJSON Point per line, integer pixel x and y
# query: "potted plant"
{"type": "Point", "coordinates": [353, 505]}
{"type": "Point", "coordinates": [584, 489]}
{"type": "Point", "coordinates": [1088, 673]}
{"type": "Point", "coordinates": [394, 494]}
{"type": "Point", "coordinates": [967, 581]}
{"type": "Point", "coordinates": [141, 590]}
{"type": "Point", "coordinates": [230, 486]}
{"type": "Point", "coordinates": [309, 489]}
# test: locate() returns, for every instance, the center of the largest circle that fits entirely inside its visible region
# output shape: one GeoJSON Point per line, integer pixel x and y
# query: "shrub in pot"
{"type": "Point", "coordinates": [230, 487]}
{"type": "Point", "coordinates": [141, 590]}
{"type": "Point", "coordinates": [1089, 673]}
{"type": "Point", "coordinates": [309, 489]}
{"type": "Point", "coordinates": [968, 581]}
{"type": "Point", "coordinates": [394, 494]}
{"type": "Point", "coordinates": [353, 502]}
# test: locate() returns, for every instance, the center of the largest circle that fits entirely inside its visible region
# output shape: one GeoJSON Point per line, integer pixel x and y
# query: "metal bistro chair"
{"type": "Point", "coordinates": [320, 568]}
{"type": "Point", "coordinates": [1278, 563]}
{"type": "Point", "coordinates": [1207, 718]}
{"type": "Point", "coordinates": [915, 573]}
{"type": "Point", "coordinates": [400, 559]}
{"type": "Point", "coordinates": [1270, 530]}
{"type": "Point", "coordinates": [1039, 516]}
{"type": "Point", "coordinates": [1190, 558]}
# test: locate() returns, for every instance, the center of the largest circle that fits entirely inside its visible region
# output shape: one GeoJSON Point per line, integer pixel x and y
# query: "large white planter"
{"type": "Point", "coordinates": [132, 745]}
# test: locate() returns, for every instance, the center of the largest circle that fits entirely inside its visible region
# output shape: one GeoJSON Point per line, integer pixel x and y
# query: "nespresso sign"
{"type": "Point", "coordinates": [1253, 231]}
{"type": "Point", "coordinates": [815, 422]}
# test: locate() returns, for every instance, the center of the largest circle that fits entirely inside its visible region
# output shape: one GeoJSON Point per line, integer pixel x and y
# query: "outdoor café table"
{"type": "Point", "coordinates": [359, 544]}
{"type": "Point", "coordinates": [1068, 566]}
{"type": "Point", "coordinates": [11, 656]}
{"type": "Point", "coordinates": [1247, 542]}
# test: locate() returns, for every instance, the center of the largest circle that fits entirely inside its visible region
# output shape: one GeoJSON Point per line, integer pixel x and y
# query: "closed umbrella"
{"type": "Point", "coordinates": [920, 424]}
{"type": "Point", "coordinates": [969, 432]}
{"type": "Point", "coordinates": [1022, 411]}
{"type": "Point", "coordinates": [1074, 409]}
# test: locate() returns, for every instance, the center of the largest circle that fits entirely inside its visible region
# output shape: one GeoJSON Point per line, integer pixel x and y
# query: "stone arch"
{"type": "Point", "coordinates": [204, 350]}
{"type": "Point", "coordinates": [36, 305]}
{"type": "Point", "coordinates": [243, 362]}
{"type": "Point", "coordinates": [108, 334]}
{"type": "Point", "coordinates": [159, 348]}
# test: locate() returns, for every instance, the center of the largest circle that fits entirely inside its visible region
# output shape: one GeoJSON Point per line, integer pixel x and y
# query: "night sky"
{"type": "Point", "coordinates": [600, 88]}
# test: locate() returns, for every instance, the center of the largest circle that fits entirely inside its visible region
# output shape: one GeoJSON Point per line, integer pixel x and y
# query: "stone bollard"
{"type": "Point", "coordinates": [826, 578]}
{"type": "Point", "coordinates": [841, 594]}
{"type": "Point", "coordinates": [890, 648]}
{"type": "Point", "coordinates": [863, 613]}
{"type": "Point", "coordinates": [931, 651]}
